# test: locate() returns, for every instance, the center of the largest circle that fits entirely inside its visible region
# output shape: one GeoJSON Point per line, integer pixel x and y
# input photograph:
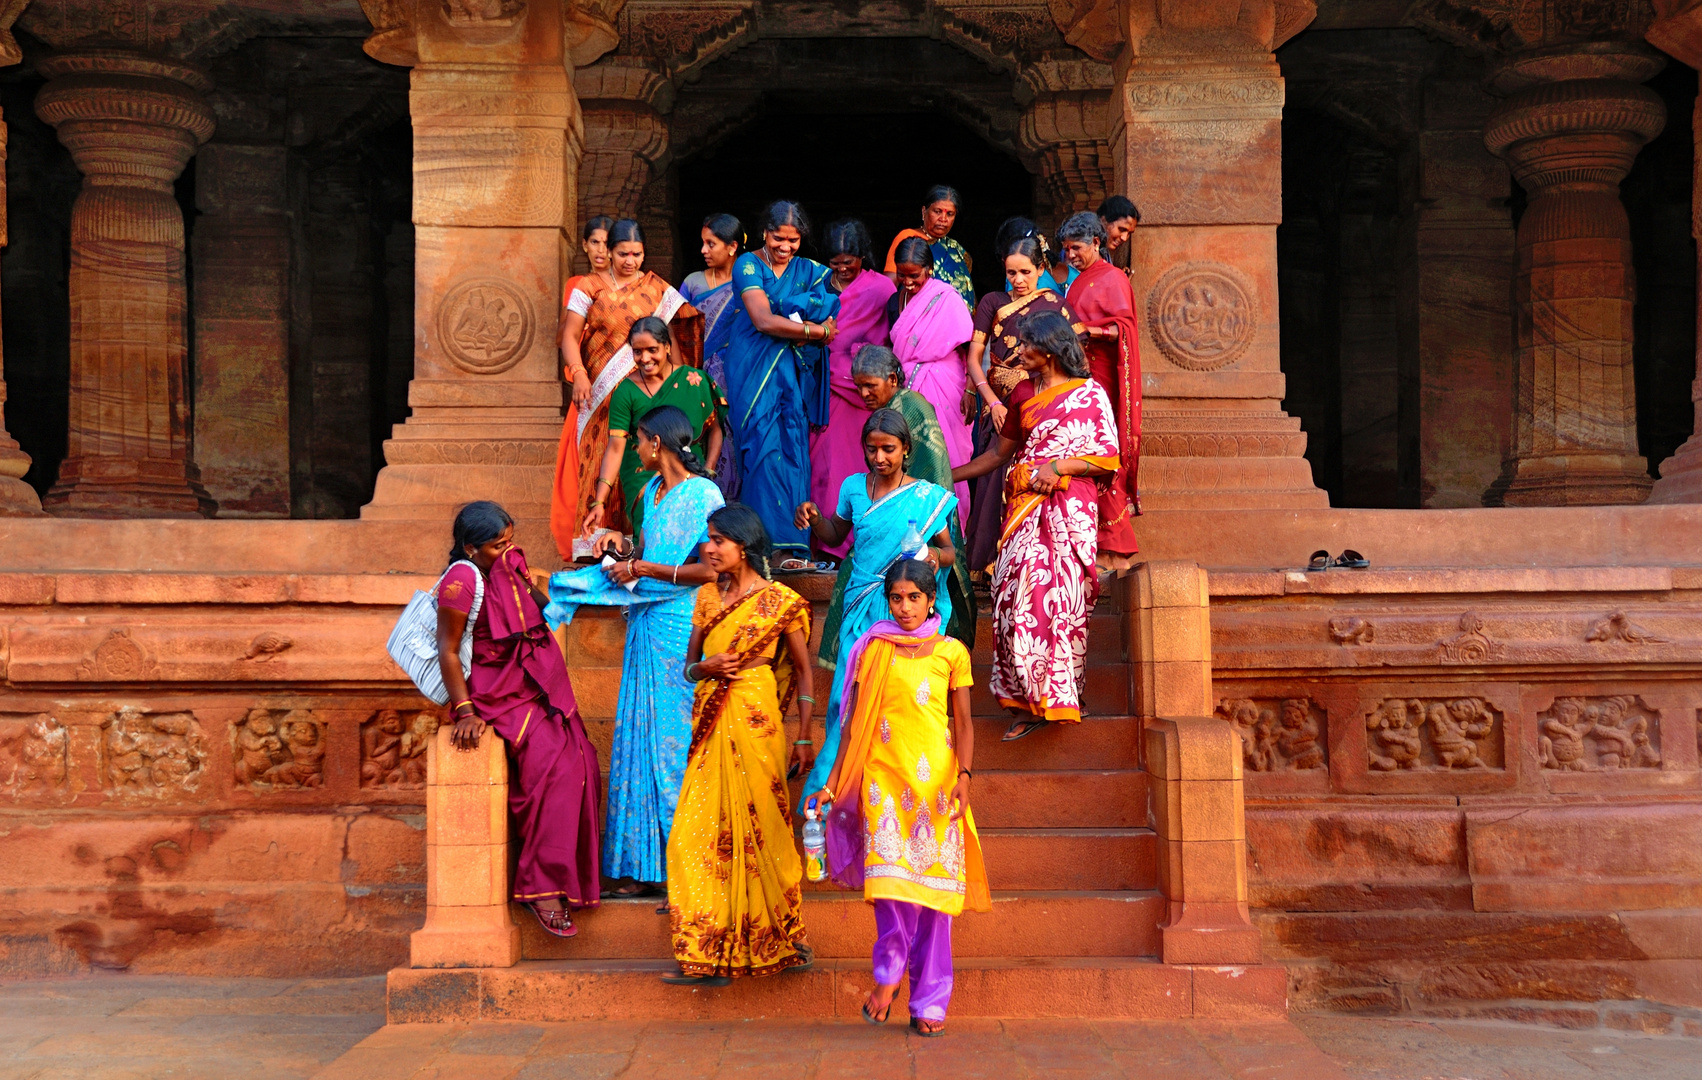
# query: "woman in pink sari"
{"type": "Point", "coordinates": [931, 328]}
{"type": "Point", "coordinates": [519, 686]}
{"type": "Point", "coordinates": [837, 451]}
{"type": "Point", "coordinates": [1063, 438]}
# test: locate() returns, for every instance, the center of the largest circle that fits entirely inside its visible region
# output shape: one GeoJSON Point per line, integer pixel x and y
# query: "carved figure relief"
{"type": "Point", "coordinates": [1351, 630]}
{"type": "Point", "coordinates": [482, 12]}
{"type": "Point", "coordinates": [34, 754]}
{"type": "Point", "coordinates": [485, 325]}
{"type": "Point", "coordinates": [273, 749]}
{"type": "Point", "coordinates": [1584, 734]}
{"type": "Point", "coordinates": [393, 749]}
{"type": "Point", "coordinates": [1203, 315]}
{"type": "Point", "coordinates": [1277, 734]}
{"type": "Point", "coordinates": [1618, 627]}
{"type": "Point", "coordinates": [1471, 645]}
{"type": "Point", "coordinates": [117, 659]}
{"type": "Point", "coordinates": [266, 647]}
{"type": "Point", "coordinates": [1434, 734]}
{"type": "Point", "coordinates": [157, 754]}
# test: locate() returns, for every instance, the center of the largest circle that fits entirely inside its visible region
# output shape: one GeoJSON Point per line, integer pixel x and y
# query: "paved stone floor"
{"type": "Point", "coordinates": [124, 1027]}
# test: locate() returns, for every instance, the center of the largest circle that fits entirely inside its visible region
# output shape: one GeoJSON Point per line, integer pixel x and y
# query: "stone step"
{"type": "Point", "coordinates": [1106, 693]}
{"type": "Point", "coordinates": [1062, 860]}
{"type": "Point", "coordinates": [842, 925]}
{"type": "Point", "coordinates": [1098, 742]}
{"type": "Point", "coordinates": [597, 638]}
{"type": "Point", "coordinates": [544, 991]}
{"type": "Point", "coordinates": [1053, 799]}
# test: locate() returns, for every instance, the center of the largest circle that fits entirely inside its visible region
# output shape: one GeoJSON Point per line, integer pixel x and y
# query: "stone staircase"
{"type": "Point", "coordinates": [1071, 855]}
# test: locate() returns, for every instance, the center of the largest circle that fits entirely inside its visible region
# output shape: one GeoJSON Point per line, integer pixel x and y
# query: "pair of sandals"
{"type": "Point", "coordinates": [928, 1029]}
{"type": "Point", "coordinates": [680, 978]}
{"type": "Point", "coordinates": [1347, 560]}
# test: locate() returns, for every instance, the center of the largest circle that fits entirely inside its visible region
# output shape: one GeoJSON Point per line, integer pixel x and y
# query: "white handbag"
{"type": "Point", "coordinates": [413, 644]}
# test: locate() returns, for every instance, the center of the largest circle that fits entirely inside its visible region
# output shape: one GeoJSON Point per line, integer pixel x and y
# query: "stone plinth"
{"type": "Point", "coordinates": [1570, 141]}
{"type": "Point", "coordinates": [1196, 137]}
{"type": "Point", "coordinates": [496, 144]}
{"type": "Point", "coordinates": [467, 921]}
{"type": "Point", "coordinates": [242, 329]}
{"type": "Point", "coordinates": [131, 122]}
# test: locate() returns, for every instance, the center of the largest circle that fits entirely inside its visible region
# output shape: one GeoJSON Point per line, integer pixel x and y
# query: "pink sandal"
{"type": "Point", "coordinates": [556, 922]}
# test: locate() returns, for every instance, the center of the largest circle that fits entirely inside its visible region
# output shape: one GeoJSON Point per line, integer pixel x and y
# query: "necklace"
{"type": "Point", "coordinates": [731, 600]}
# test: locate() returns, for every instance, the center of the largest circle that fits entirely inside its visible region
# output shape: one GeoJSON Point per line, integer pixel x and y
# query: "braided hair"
{"type": "Point", "coordinates": [740, 524]}
{"type": "Point", "coordinates": [671, 426]}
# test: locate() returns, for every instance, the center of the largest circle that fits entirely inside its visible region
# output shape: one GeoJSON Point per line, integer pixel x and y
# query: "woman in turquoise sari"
{"type": "Point", "coordinates": [658, 591]}
{"type": "Point", "coordinates": [710, 291]}
{"type": "Point", "coordinates": [777, 379]}
{"type": "Point", "coordinates": [878, 509]}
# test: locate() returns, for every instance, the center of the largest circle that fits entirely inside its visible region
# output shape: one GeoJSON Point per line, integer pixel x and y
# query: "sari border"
{"type": "Point", "coordinates": [1057, 714]}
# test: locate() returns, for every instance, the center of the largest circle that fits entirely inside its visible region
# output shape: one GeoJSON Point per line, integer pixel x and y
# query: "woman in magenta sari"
{"type": "Point", "coordinates": [837, 451]}
{"type": "Point", "coordinates": [1104, 304]}
{"type": "Point", "coordinates": [931, 327]}
{"type": "Point", "coordinates": [519, 686]}
{"type": "Point", "coordinates": [1062, 436]}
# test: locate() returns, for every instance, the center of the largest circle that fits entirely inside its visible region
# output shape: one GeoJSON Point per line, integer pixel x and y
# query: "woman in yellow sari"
{"type": "Point", "coordinates": [596, 359]}
{"type": "Point", "coordinates": [734, 876]}
{"type": "Point", "coordinates": [912, 846]}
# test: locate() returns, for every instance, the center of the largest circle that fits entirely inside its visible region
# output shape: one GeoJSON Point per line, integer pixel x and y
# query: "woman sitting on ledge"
{"type": "Point", "coordinates": [519, 686]}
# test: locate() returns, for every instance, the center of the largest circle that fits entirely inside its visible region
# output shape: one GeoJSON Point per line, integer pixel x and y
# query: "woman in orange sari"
{"type": "Point", "coordinates": [595, 358]}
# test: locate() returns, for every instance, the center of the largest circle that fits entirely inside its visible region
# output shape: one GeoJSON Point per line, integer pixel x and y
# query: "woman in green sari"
{"type": "Point", "coordinates": [655, 381]}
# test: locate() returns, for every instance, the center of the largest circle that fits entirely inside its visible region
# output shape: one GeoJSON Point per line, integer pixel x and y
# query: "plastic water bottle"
{"type": "Point", "coordinates": [815, 844]}
{"type": "Point", "coordinates": [912, 542]}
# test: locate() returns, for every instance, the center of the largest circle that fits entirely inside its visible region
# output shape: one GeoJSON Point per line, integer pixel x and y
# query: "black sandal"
{"type": "Point", "coordinates": [1320, 561]}
{"type": "Point", "coordinates": [682, 979]}
{"type": "Point", "coordinates": [916, 1023]}
{"type": "Point", "coordinates": [1028, 727]}
{"type": "Point", "coordinates": [1352, 560]}
{"type": "Point", "coordinates": [886, 1013]}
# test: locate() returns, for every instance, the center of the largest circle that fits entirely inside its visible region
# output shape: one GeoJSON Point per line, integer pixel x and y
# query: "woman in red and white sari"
{"type": "Point", "coordinates": [1060, 438]}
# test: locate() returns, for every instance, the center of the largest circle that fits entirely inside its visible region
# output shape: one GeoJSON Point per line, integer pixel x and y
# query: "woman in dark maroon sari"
{"type": "Point", "coordinates": [1104, 305]}
{"type": "Point", "coordinates": [519, 686]}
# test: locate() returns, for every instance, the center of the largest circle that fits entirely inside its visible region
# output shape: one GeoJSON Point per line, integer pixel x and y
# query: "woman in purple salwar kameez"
{"type": "Point", "coordinates": [519, 686]}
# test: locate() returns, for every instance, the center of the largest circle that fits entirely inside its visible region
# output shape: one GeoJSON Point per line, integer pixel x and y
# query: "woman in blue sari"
{"type": "Point", "coordinates": [710, 291]}
{"type": "Point", "coordinates": [653, 715]}
{"type": "Point", "coordinates": [777, 379]}
{"type": "Point", "coordinates": [877, 509]}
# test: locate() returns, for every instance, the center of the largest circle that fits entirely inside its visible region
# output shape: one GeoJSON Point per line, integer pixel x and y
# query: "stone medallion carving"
{"type": "Point", "coordinates": [1203, 315]}
{"type": "Point", "coordinates": [486, 325]}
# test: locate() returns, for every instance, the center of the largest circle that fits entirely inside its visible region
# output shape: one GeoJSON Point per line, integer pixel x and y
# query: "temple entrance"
{"type": "Point", "coordinates": [873, 166]}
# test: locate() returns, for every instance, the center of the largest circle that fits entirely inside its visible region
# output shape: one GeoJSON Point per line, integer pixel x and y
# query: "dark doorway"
{"type": "Point", "coordinates": [871, 165]}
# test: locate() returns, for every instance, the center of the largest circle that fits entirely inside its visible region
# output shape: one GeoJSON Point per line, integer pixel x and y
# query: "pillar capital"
{"type": "Point", "coordinates": [1067, 125]}
{"type": "Point", "coordinates": [132, 120]}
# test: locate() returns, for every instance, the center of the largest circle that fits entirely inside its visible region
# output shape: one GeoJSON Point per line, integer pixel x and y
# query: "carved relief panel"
{"type": "Point", "coordinates": [278, 750]}
{"type": "Point", "coordinates": [151, 755]}
{"type": "Point", "coordinates": [1434, 734]}
{"type": "Point", "coordinates": [393, 749]}
{"type": "Point", "coordinates": [1586, 734]}
{"type": "Point", "coordinates": [1427, 738]}
{"type": "Point", "coordinates": [34, 756]}
{"type": "Point", "coordinates": [1277, 734]}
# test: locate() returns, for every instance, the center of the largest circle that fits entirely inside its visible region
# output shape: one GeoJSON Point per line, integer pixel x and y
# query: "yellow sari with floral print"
{"type": "Point", "coordinates": [734, 875]}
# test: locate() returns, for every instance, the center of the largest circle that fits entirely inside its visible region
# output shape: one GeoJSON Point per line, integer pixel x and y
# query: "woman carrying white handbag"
{"type": "Point", "coordinates": [518, 685]}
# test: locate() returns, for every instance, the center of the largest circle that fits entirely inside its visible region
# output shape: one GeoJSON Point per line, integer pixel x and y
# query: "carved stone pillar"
{"type": "Point", "coordinates": [1454, 309]}
{"type": "Point", "coordinates": [1068, 127]}
{"type": "Point", "coordinates": [496, 141]}
{"type": "Point", "coordinates": [1570, 130]}
{"type": "Point", "coordinates": [1679, 33]}
{"type": "Point", "coordinates": [17, 499]}
{"type": "Point", "coordinates": [621, 98]}
{"type": "Point", "coordinates": [132, 122]}
{"type": "Point", "coordinates": [242, 328]}
{"type": "Point", "coordinates": [1197, 141]}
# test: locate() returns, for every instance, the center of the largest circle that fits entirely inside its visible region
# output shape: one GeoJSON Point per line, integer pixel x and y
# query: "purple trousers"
{"type": "Point", "coordinates": [913, 937]}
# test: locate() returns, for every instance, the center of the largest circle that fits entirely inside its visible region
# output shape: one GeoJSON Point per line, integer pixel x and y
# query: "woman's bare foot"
{"type": "Point", "coordinates": [878, 1008]}
{"type": "Point", "coordinates": [928, 1029]}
